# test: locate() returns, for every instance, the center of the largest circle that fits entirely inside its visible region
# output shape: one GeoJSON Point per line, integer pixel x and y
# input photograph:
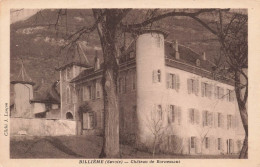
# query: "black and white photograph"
{"type": "Point", "coordinates": [129, 86]}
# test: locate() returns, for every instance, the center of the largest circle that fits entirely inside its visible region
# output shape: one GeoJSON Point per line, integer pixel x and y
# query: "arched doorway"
{"type": "Point", "coordinates": [69, 115]}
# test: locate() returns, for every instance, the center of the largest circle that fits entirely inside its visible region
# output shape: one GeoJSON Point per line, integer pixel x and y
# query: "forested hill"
{"type": "Point", "coordinates": [37, 41]}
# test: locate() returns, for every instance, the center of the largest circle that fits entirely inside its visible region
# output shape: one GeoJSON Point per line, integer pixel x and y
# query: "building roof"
{"type": "Point", "coordinates": [188, 61]}
{"type": "Point", "coordinates": [45, 94]}
{"type": "Point", "coordinates": [74, 56]}
{"type": "Point", "coordinates": [23, 82]}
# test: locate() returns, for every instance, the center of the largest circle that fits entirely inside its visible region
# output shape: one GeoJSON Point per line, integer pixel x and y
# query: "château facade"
{"type": "Point", "coordinates": [168, 96]}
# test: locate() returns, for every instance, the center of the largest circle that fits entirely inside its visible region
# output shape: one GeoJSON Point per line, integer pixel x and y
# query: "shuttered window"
{"type": "Point", "coordinates": [122, 84]}
{"type": "Point", "coordinates": [173, 81]}
{"type": "Point", "coordinates": [207, 142]}
{"type": "Point", "coordinates": [194, 116]}
{"type": "Point", "coordinates": [219, 143]}
{"type": "Point", "coordinates": [193, 86]}
{"type": "Point", "coordinates": [206, 89]}
{"type": "Point", "coordinates": [193, 142]}
{"type": "Point", "coordinates": [156, 76]}
{"type": "Point", "coordinates": [231, 122]}
{"type": "Point", "coordinates": [208, 118]}
{"type": "Point", "coordinates": [98, 89]}
{"type": "Point", "coordinates": [88, 120]}
{"type": "Point", "coordinates": [230, 95]}
{"type": "Point", "coordinates": [219, 92]}
{"type": "Point", "coordinates": [174, 114]}
{"type": "Point", "coordinates": [159, 112]}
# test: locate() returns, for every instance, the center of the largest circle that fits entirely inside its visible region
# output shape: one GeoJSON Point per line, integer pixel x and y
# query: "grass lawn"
{"type": "Point", "coordinates": [80, 147]}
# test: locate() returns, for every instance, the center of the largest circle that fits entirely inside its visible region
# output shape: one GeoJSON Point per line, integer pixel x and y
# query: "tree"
{"type": "Point", "coordinates": [231, 29]}
{"type": "Point", "coordinates": [112, 26]}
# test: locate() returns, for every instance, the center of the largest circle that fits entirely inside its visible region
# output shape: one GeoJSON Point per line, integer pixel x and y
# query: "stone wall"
{"type": "Point", "coordinates": [42, 127]}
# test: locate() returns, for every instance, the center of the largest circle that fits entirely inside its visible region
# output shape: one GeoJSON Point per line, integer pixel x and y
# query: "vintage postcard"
{"type": "Point", "coordinates": [129, 83]}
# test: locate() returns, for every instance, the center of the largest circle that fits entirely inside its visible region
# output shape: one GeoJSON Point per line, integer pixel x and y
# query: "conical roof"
{"type": "Point", "coordinates": [74, 55]}
{"type": "Point", "coordinates": [23, 77]}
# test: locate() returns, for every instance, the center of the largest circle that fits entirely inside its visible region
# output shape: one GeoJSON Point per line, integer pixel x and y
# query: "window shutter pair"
{"type": "Point", "coordinates": [174, 114]}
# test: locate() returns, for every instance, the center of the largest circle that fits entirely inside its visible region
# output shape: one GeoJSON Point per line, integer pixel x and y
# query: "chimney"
{"type": "Point", "coordinates": [177, 54]}
{"type": "Point", "coordinates": [204, 56]}
{"type": "Point", "coordinates": [97, 62]}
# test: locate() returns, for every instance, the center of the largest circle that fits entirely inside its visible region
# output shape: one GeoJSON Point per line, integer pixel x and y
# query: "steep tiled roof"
{"type": "Point", "coordinates": [45, 95]}
{"type": "Point", "coordinates": [188, 61]}
{"type": "Point", "coordinates": [187, 55]}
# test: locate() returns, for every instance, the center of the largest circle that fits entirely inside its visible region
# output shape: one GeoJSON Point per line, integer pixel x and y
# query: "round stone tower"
{"type": "Point", "coordinates": [151, 82]}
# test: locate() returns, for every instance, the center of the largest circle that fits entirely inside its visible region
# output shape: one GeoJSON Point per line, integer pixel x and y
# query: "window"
{"type": "Point", "coordinates": [122, 85]}
{"type": "Point", "coordinates": [156, 76]}
{"type": "Point", "coordinates": [133, 80]}
{"type": "Point", "coordinates": [219, 143]}
{"type": "Point", "coordinates": [207, 118]}
{"type": "Point", "coordinates": [173, 81]}
{"type": "Point", "coordinates": [98, 89]}
{"type": "Point", "coordinates": [229, 121]}
{"type": "Point", "coordinates": [206, 142]}
{"type": "Point", "coordinates": [206, 89]}
{"type": "Point", "coordinates": [68, 94]}
{"type": "Point", "coordinates": [193, 142]}
{"type": "Point", "coordinates": [159, 112]}
{"type": "Point", "coordinates": [93, 91]}
{"type": "Point", "coordinates": [193, 86]}
{"type": "Point", "coordinates": [192, 116]}
{"type": "Point", "coordinates": [86, 93]}
{"type": "Point", "coordinates": [219, 119]}
{"type": "Point", "coordinates": [219, 92]}
{"type": "Point", "coordinates": [172, 113]}
{"type": "Point", "coordinates": [230, 95]}
{"type": "Point", "coordinates": [88, 120]}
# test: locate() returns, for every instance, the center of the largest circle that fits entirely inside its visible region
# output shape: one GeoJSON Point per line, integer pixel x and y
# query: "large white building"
{"type": "Point", "coordinates": [169, 98]}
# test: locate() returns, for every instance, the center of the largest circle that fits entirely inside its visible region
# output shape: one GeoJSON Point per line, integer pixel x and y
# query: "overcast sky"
{"type": "Point", "coordinates": [21, 14]}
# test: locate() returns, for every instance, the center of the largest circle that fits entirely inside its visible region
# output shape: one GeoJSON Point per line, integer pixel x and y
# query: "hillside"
{"type": "Point", "coordinates": [38, 42]}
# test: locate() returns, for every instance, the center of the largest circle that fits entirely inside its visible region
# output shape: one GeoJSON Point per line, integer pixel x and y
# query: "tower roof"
{"type": "Point", "coordinates": [155, 30]}
{"type": "Point", "coordinates": [74, 55]}
{"type": "Point", "coordinates": [23, 77]}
